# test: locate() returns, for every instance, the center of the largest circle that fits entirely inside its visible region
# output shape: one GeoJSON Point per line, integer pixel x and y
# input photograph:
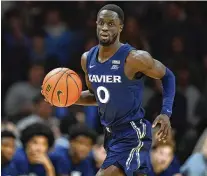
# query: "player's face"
{"type": "Point", "coordinates": [7, 148]}
{"type": "Point", "coordinates": [37, 145]}
{"type": "Point", "coordinates": [163, 156]}
{"type": "Point", "coordinates": [108, 27]}
{"type": "Point", "coordinates": [81, 146]}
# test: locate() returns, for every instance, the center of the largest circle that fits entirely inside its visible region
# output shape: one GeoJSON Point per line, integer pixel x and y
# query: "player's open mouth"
{"type": "Point", "coordinates": [104, 36]}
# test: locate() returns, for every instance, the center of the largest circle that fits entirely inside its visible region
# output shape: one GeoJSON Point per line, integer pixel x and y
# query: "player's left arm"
{"type": "Point", "coordinates": [142, 61]}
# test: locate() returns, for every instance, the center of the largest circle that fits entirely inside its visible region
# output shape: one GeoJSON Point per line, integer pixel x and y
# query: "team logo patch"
{"type": "Point", "coordinates": [116, 62]}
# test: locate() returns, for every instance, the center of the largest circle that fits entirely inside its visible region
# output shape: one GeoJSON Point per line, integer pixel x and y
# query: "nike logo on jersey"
{"type": "Point", "coordinates": [91, 66]}
{"type": "Point", "coordinates": [105, 78]}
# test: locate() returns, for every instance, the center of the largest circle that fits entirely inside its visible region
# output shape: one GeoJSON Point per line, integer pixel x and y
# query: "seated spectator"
{"type": "Point", "coordinates": [42, 114]}
{"type": "Point", "coordinates": [7, 152]}
{"type": "Point", "coordinates": [33, 158]}
{"type": "Point", "coordinates": [18, 101]}
{"type": "Point", "coordinates": [76, 159]}
{"type": "Point", "coordinates": [163, 161]}
{"type": "Point", "coordinates": [65, 124]}
{"type": "Point", "coordinates": [196, 163]}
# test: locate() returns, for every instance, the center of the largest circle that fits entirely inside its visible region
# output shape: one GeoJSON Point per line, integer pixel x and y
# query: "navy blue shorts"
{"type": "Point", "coordinates": [128, 147]}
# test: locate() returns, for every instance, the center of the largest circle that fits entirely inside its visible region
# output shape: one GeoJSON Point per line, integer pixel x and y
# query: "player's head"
{"type": "Point", "coordinates": [37, 139]}
{"type": "Point", "coordinates": [110, 21]}
{"type": "Point", "coordinates": [7, 145]}
{"type": "Point", "coordinates": [162, 155]}
{"type": "Point", "coordinates": [42, 108]}
{"type": "Point", "coordinates": [82, 140]}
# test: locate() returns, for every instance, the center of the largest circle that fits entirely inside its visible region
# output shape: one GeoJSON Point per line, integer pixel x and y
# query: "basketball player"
{"type": "Point", "coordinates": [114, 75]}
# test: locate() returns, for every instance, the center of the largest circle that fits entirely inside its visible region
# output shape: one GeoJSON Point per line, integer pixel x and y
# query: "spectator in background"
{"type": "Point", "coordinates": [163, 160]}
{"type": "Point", "coordinates": [38, 52]}
{"type": "Point", "coordinates": [15, 60]}
{"type": "Point", "coordinates": [178, 57]}
{"type": "Point", "coordinates": [33, 158]}
{"type": "Point", "coordinates": [191, 93]}
{"type": "Point", "coordinates": [179, 109]}
{"type": "Point", "coordinates": [175, 12]}
{"type": "Point", "coordinates": [200, 142]}
{"type": "Point", "coordinates": [60, 41]}
{"type": "Point", "coordinates": [204, 74]}
{"type": "Point", "coordinates": [7, 152]}
{"type": "Point", "coordinates": [196, 163]}
{"type": "Point", "coordinates": [42, 114]}
{"type": "Point", "coordinates": [76, 159]}
{"type": "Point", "coordinates": [65, 125]}
{"type": "Point", "coordinates": [15, 35]}
{"type": "Point", "coordinates": [133, 35]}
{"type": "Point", "coordinates": [18, 101]}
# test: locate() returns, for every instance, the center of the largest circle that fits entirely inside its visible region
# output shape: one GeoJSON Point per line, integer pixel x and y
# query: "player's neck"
{"type": "Point", "coordinates": [105, 52]}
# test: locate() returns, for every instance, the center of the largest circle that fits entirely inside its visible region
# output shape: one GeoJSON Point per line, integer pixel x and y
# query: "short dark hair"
{"type": "Point", "coordinates": [67, 122]}
{"type": "Point", "coordinates": [37, 129]}
{"type": "Point", "coordinates": [82, 130]}
{"type": "Point", "coordinates": [114, 8]}
{"type": "Point", "coordinates": [7, 133]}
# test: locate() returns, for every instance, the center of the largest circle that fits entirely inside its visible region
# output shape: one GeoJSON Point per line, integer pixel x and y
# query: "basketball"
{"type": "Point", "coordinates": [62, 87]}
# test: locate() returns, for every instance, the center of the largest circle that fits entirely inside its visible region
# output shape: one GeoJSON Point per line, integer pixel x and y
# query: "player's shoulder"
{"type": "Point", "coordinates": [138, 57]}
{"type": "Point", "coordinates": [138, 54]}
{"type": "Point", "coordinates": [85, 54]}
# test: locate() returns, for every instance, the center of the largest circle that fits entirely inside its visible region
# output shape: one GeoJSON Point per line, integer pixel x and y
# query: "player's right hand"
{"type": "Point", "coordinates": [165, 127]}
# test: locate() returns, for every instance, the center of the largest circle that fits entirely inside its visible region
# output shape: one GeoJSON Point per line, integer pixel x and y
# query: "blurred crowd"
{"type": "Point", "coordinates": [40, 36]}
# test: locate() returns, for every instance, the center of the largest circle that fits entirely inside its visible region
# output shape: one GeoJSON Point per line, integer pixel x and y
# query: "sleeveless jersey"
{"type": "Point", "coordinates": [119, 98]}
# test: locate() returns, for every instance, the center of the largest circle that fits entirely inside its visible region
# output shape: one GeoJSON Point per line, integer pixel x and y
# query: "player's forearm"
{"type": "Point", "coordinates": [169, 88]}
{"type": "Point", "coordinates": [87, 99]}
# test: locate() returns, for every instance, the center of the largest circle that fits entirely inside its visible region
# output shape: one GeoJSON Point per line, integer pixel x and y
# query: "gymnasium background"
{"type": "Point", "coordinates": [55, 34]}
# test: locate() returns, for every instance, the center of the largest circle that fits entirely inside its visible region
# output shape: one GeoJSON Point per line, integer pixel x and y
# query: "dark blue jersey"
{"type": "Point", "coordinates": [9, 169]}
{"type": "Point", "coordinates": [119, 98]}
{"type": "Point", "coordinates": [84, 168]}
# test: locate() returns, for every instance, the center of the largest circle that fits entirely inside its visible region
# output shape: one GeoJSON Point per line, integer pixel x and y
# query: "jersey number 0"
{"type": "Point", "coordinates": [106, 96]}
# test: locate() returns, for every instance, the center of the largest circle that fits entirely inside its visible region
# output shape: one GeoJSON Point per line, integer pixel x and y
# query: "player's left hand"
{"type": "Point", "coordinates": [165, 127]}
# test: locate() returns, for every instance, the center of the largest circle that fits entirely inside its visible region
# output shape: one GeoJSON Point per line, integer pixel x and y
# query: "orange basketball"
{"type": "Point", "coordinates": [62, 87]}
